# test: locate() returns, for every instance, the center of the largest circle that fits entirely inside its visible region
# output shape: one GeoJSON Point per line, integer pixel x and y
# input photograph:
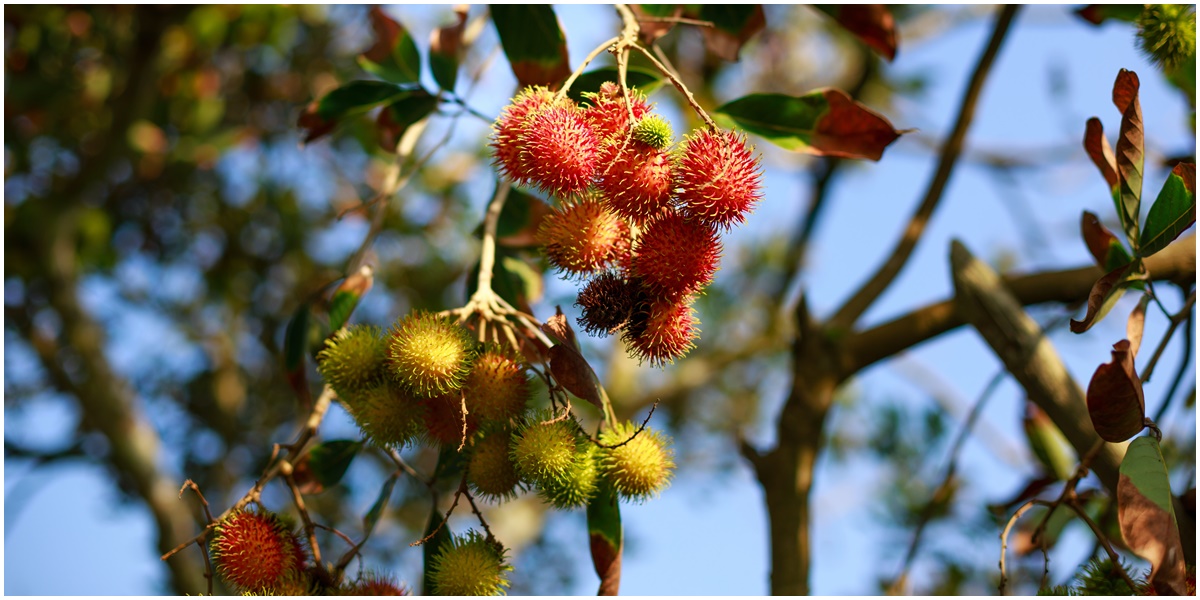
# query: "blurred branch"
{"type": "Point", "coordinates": [1185, 366]}
{"type": "Point", "coordinates": [1179, 317]}
{"type": "Point", "coordinates": [846, 316]}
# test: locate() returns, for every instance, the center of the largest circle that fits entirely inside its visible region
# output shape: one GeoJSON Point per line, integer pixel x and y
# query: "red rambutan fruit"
{"type": "Point", "coordinates": [718, 177]}
{"type": "Point", "coordinates": [662, 330]}
{"type": "Point", "coordinates": [375, 585]}
{"type": "Point", "coordinates": [675, 256]}
{"type": "Point", "coordinates": [497, 387]}
{"type": "Point", "coordinates": [637, 182]}
{"type": "Point", "coordinates": [559, 151]}
{"type": "Point", "coordinates": [254, 550]}
{"type": "Point", "coordinates": [608, 114]}
{"type": "Point", "coordinates": [506, 131]}
{"type": "Point", "coordinates": [584, 237]}
{"type": "Point", "coordinates": [607, 302]}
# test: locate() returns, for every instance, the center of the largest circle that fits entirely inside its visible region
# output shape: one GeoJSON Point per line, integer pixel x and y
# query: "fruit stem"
{"type": "Point", "coordinates": [487, 256]}
{"type": "Point", "coordinates": [562, 92]}
{"type": "Point", "coordinates": [679, 85]}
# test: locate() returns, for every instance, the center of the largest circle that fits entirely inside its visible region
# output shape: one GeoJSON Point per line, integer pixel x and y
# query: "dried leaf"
{"type": "Point", "coordinates": [1130, 153]}
{"type": "Point", "coordinates": [1136, 324]}
{"type": "Point", "coordinates": [1105, 293]}
{"type": "Point", "coordinates": [1114, 397]}
{"type": "Point", "coordinates": [569, 368]}
{"type": "Point", "coordinates": [871, 23]}
{"type": "Point", "coordinates": [1147, 517]}
{"type": "Point", "coordinates": [1104, 246]}
{"type": "Point", "coordinates": [1100, 152]}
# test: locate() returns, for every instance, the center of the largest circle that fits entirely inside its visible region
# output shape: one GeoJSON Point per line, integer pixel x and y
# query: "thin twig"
{"type": "Point", "coordinates": [461, 486]}
{"type": "Point", "coordinates": [562, 92]}
{"type": "Point", "coordinates": [635, 434]}
{"type": "Point", "coordinates": [310, 528]}
{"type": "Point", "coordinates": [862, 299]}
{"type": "Point", "coordinates": [1176, 319]}
{"type": "Point", "coordinates": [195, 488]}
{"type": "Point", "coordinates": [475, 509]}
{"type": "Point", "coordinates": [1004, 539]}
{"type": "Point", "coordinates": [679, 85]}
{"type": "Point", "coordinates": [1103, 539]}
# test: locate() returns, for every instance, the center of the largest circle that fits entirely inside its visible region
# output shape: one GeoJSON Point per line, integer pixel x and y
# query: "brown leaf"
{"type": "Point", "coordinates": [526, 236]}
{"type": "Point", "coordinates": [569, 368]}
{"type": "Point", "coordinates": [1114, 397]}
{"type": "Point", "coordinates": [1098, 238]}
{"type": "Point", "coordinates": [873, 24]}
{"type": "Point", "coordinates": [1150, 532]}
{"type": "Point", "coordinates": [650, 30]}
{"type": "Point", "coordinates": [1136, 324]}
{"type": "Point", "coordinates": [1130, 153]}
{"type": "Point", "coordinates": [448, 40]}
{"type": "Point", "coordinates": [1101, 298]}
{"type": "Point", "coordinates": [727, 44]}
{"type": "Point", "coordinates": [852, 130]}
{"type": "Point", "coordinates": [1100, 152]}
{"type": "Point", "coordinates": [386, 31]}
{"type": "Point", "coordinates": [315, 124]}
{"type": "Point", "coordinates": [604, 559]}
{"type": "Point", "coordinates": [1125, 90]}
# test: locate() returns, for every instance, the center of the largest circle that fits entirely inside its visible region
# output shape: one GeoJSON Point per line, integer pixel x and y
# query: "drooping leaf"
{"type": "Point", "coordinates": [329, 460]}
{"type": "Point", "coordinates": [871, 23]}
{"type": "Point", "coordinates": [385, 494]}
{"type": "Point", "coordinates": [295, 349]}
{"type": "Point", "coordinates": [1098, 13]}
{"type": "Point", "coordinates": [733, 26]}
{"type": "Point", "coordinates": [1100, 152]}
{"type": "Point", "coordinates": [1136, 325]}
{"type": "Point", "coordinates": [445, 48]}
{"type": "Point", "coordinates": [1130, 154]}
{"type": "Point", "coordinates": [402, 113]}
{"type": "Point", "coordinates": [1172, 212]}
{"type": "Point", "coordinates": [1048, 443]}
{"type": "Point", "coordinates": [606, 539]}
{"type": "Point", "coordinates": [1147, 516]}
{"type": "Point", "coordinates": [644, 80]}
{"type": "Point", "coordinates": [1114, 397]}
{"type": "Point", "coordinates": [394, 55]}
{"type": "Point", "coordinates": [1104, 294]}
{"type": "Point", "coordinates": [650, 29]}
{"type": "Point", "coordinates": [431, 548]}
{"type": "Point", "coordinates": [346, 296]}
{"type": "Point", "coordinates": [825, 122]}
{"type": "Point", "coordinates": [568, 366]}
{"type": "Point", "coordinates": [1104, 246]}
{"type": "Point", "coordinates": [356, 97]}
{"type": "Point", "coordinates": [534, 43]}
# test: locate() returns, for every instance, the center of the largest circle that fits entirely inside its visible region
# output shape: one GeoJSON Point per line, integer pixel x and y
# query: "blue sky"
{"type": "Point", "coordinates": [707, 533]}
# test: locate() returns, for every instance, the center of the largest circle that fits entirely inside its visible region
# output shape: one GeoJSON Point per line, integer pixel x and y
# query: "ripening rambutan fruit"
{"type": "Point", "coordinates": [1167, 33]}
{"type": "Point", "coordinates": [444, 420]}
{"type": "Point", "coordinates": [638, 468]}
{"type": "Point", "coordinates": [662, 330]}
{"type": "Point", "coordinates": [506, 131]}
{"type": "Point", "coordinates": [637, 183]}
{"type": "Point", "coordinates": [387, 414]}
{"type": "Point", "coordinates": [544, 449]}
{"type": "Point", "coordinates": [497, 387]}
{"type": "Point", "coordinates": [654, 131]}
{"type": "Point", "coordinates": [608, 114]}
{"type": "Point", "coordinates": [371, 584]}
{"type": "Point", "coordinates": [254, 550]}
{"type": "Point", "coordinates": [469, 565]}
{"type": "Point", "coordinates": [491, 473]}
{"type": "Point", "coordinates": [718, 177]}
{"type": "Point", "coordinates": [353, 359]}
{"type": "Point", "coordinates": [583, 237]}
{"type": "Point", "coordinates": [558, 151]}
{"type": "Point", "coordinates": [675, 256]}
{"type": "Point", "coordinates": [607, 302]}
{"type": "Point", "coordinates": [429, 354]}
{"type": "Point", "coordinates": [577, 485]}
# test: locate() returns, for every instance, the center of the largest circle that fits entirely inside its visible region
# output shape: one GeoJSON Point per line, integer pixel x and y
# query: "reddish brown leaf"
{"type": "Point", "coordinates": [1187, 172]}
{"type": "Point", "coordinates": [1130, 152]}
{"type": "Point", "coordinates": [314, 123]}
{"type": "Point", "coordinates": [1114, 397]}
{"type": "Point", "coordinates": [1125, 90]}
{"type": "Point", "coordinates": [448, 40]}
{"type": "Point", "coordinates": [1100, 152]}
{"type": "Point", "coordinates": [1136, 324]}
{"type": "Point", "coordinates": [851, 129]}
{"type": "Point", "coordinates": [873, 24]}
{"type": "Point", "coordinates": [1101, 242]}
{"type": "Point", "coordinates": [1104, 294]}
{"type": "Point", "coordinates": [607, 563]}
{"type": "Point", "coordinates": [570, 369]}
{"type": "Point", "coordinates": [723, 41]}
{"type": "Point", "coordinates": [1147, 518]}
{"type": "Point", "coordinates": [650, 28]}
{"type": "Point", "coordinates": [387, 32]}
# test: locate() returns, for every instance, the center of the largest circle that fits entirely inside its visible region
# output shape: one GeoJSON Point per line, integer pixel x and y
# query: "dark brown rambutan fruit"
{"type": "Point", "coordinates": [607, 302]}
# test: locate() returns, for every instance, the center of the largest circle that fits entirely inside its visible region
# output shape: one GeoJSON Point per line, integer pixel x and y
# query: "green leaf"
{"type": "Point", "coordinates": [733, 26]}
{"type": "Point", "coordinates": [1098, 13]}
{"type": "Point", "coordinates": [533, 42]}
{"type": "Point", "coordinates": [644, 80]}
{"type": "Point", "coordinates": [873, 24]}
{"type": "Point", "coordinates": [824, 122]}
{"type": "Point", "coordinates": [329, 460]}
{"type": "Point", "coordinates": [1172, 212]}
{"type": "Point", "coordinates": [606, 538]}
{"type": "Point", "coordinates": [1115, 400]}
{"type": "Point", "coordinates": [357, 97]}
{"type": "Point", "coordinates": [1147, 515]}
{"type": "Point", "coordinates": [1048, 443]}
{"type": "Point", "coordinates": [1130, 153]}
{"type": "Point", "coordinates": [394, 55]}
{"type": "Point", "coordinates": [512, 279]}
{"type": "Point", "coordinates": [347, 295]}
{"type": "Point", "coordinates": [372, 517]}
{"type": "Point", "coordinates": [431, 548]}
{"type": "Point", "coordinates": [445, 46]}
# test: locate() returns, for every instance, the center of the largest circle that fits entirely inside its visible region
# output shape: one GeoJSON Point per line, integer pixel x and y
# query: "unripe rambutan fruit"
{"type": "Point", "coordinates": [638, 468]}
{"type": "Point", "coordinates": [637, 181]}
{"type": "Point", "coordinates": [718, 178]}
{"type": "Point", "coordinates": [583, 237]}
{"type": "Point", "coordinates": [429, 355]}
{"type": "Point", "coordinates": [675, 256]}
{"type": "Point", "coordinates": [444, 422]}
{"type": "Point", "coordinates": [544, 449]}
{"type": "Point", "coordinates": [353, 359]}
{"type": "Point", "coordinates": [662, 330]}
{"type": "Point", "coordinates": [507, 130]}
{"type": "Point", "coordinates": [607, 302]}
{"type": "Point", "coordinates": [558, 151]}
{"type": "Point", "coordinates": [371, 584]}
{"type": "Point", "coordinates": [1167, 33]}
{"type": "Point", "coordinates": [654, 131]}
{"type": "Point", "coordinates": [576, 486]}
{"type": "Point", "coordinates": [387, 414]}
{"type": "Point", "coordinates": [497, 387]}
{"type": "Point", "coordinates": [469, 566]}
{"type": "Point", "coordinates": [491, 472]}
{"type": "Point", "coordinates": [255, 550]}
{"type": "Point", "coordinates": [608, 115]}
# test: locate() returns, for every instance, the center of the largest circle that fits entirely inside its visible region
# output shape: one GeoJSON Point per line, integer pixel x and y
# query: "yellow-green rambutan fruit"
{"type": "Point", "coordinates": [638, 468]}
{"type": "Point", "coordinates": [387, 414]}
{"type": "Point", "coordinates": [470, 566]}
{"type": "Point", "coordinates": [578, 484]}
{"type": "Point", "coordinates": [543, 450]}
{"type": "Point", "coordinates": [429, 355]}
{"type": "Point", "coordinates": [491, 473]}
{"type": "Point", "coordinates": [254, 550]}
{"type": "Point", "coordinates": [353, 359]}
{"type": "Point", "coordinates": [1167, 33]}
{"type": "Point", "coordinates": [444, 420]}
{"type": "Point", "coordinates": [654, 131]}
{"type": "Point", "coordinates": [497, 387]}
{"type": "Point", "coordinates": [371, 584]}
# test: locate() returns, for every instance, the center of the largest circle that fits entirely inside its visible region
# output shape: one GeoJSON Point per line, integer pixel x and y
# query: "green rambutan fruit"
{"type": "Point", "coordinates": [638, 468]}
{"type": "Point", "coordinates": [253, 550]}
{"type": "Point", "coordinates": [576, 486]}
{"type": "Point", "coordinates": [490, 472]}
{"type": "Point", "coordinates": [543, 449]}
{"type": "Point", "coordinates": [444, 419]}
{"type": "Point", "coordinates": [583, 237]}
{"type": "Point", "coordinates": [675, 256]}
{"type": "Point", "coordinates": [387, 414]}
{"type": "Point", "coordinates": [718, 177]}
{"type": "Point", "coordinates": [353, 359]}
{"type": "Point", "coordinates": [1167, 33]}
{"type": "Point", "coordinates": [497, 387]}
{"type": "Point", "coordinates": [654, 131]}
{"type": "Point", "coordinates": [372, 584]}
{"type": "Point", "coordinates": [662, 330]}
{"type": "Point", "coordinates": [470, 566]}
{"type": "Point", "coordinates": [428, 354]}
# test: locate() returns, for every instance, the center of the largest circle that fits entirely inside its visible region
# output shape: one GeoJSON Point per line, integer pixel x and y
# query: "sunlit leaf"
{"type": "Point", "coordinates": [570, 369]}
{"type": "Point", "coordinates": [871, 23]}
{"type": "Point", "coordinates": [1048, 443]}
{"type": "Point", "coordinates": [394, 55]}
{"type": "Point", "coordinates": [1147, 516]}
{"type": "Point", "coordinates": [1114, 397]}
{"type": "Point", "coordinates": [346, 296]}
{"type": "Point", "coordinates": [1100, 152]}
{"type": "Point", "coordinates": [1136, 324]}
{"type": "Point", "coordinates": [534, 43]}
{"type": "Point", "coordinates": [824, 122]}
{"type": "Point", "coordinates": [1172, 212]}
{"type": "Point", "coordinates": [1130, 153]}
{"type": "Point", "coordinates": [329, 460]}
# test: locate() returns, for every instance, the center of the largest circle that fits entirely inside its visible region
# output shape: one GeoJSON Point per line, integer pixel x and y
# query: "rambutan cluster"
{"type": "Point", "coordinates": [638, 216]}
